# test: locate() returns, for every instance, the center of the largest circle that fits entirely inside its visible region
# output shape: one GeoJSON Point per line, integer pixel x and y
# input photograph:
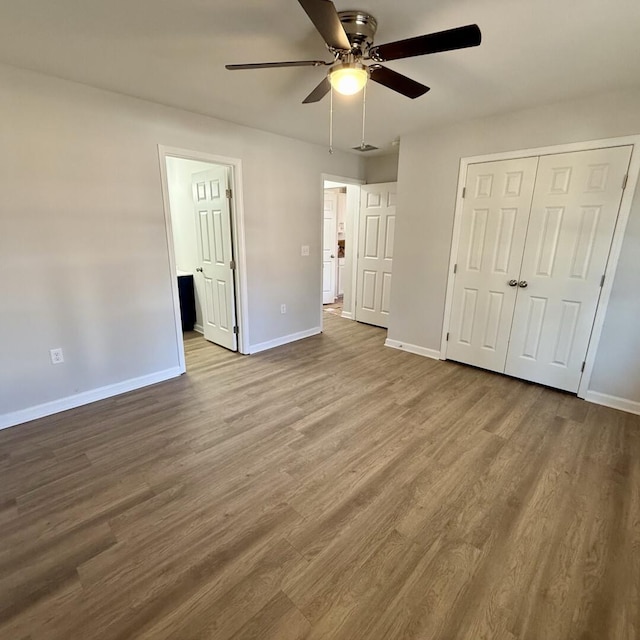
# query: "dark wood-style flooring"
{"type": "Point", "coordinates": [328, 489]}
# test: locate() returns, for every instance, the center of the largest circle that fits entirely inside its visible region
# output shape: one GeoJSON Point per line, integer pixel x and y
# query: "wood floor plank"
{"type": "Point", "coordinates": [41, 613]}
{"type": "Point", "coordinates": [33, 577]}
{"type": "Point", "coordinates": [279, 619]}
{"type": "Point", "coordinates": [330, 488]}
{"type": "Point", "coordinates": [356, 603]}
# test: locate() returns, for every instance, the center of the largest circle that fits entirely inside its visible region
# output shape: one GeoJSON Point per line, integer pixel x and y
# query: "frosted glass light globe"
{"type": "Point", "coordinates": [348, 78]}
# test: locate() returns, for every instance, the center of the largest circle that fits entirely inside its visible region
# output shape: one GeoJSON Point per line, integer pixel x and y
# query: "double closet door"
{"type": "Point", "coordinates": [533, 249]}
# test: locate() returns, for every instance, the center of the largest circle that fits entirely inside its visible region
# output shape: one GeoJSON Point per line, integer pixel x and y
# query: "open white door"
{"type": "Point", "coordinates": [329, 247]}
{"type": "Point", "coordinates": [375, 252]}
{"type": "Point", "coordinates": [211, 196]}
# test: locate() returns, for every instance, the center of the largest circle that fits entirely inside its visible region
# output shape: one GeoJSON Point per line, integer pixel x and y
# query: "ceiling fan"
{"type": "Point", "coordinates": [349, 37]}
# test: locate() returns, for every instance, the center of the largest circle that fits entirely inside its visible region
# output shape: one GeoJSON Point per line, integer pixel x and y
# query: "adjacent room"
{"type": "Point", "coordinates": [319, 321]}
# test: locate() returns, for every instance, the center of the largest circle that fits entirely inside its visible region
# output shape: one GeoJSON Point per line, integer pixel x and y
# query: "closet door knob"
{"type": "Point", "coordinates": [523, 283]}
{"type": "Point", "coordinates": [199, 269]}
{"type": "Point", "coordinates": [513, 283]}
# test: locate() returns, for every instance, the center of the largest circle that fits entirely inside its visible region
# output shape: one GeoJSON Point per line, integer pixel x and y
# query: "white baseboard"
{"type": "Point", "coordinates": [348, 315]}
{"type": "Point", "coordinates": [278, 342]}
{"type": "Point", "coordinates": [86, 397]}
{"type": "Point", "coordinates": [630, 406]}
{"type": "Point", "coordinates": [412, 348]}
{"type": "Point", "coordinates": [199, 328]}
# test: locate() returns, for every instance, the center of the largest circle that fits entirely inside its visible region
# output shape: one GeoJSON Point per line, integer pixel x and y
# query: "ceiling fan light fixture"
{"type": "Point", "coordinates": [348, 78]}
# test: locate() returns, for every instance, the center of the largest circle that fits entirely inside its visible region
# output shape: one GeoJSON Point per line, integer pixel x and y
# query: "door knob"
{"type": "Point", "coordinates": [513, 283]}
{"type": "Point", "coordinates": [199, 269]}
{"type": "Point", "coordinates": [332, 255]}
{"type": "Point", "coordinates": [523, 283]}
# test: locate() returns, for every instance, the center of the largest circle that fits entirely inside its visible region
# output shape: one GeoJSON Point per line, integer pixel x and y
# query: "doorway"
{"type": "Point", "coordinates": [333, 244]}
{"type": "Point", "coordinates": [341, 203]}
{"type": "Point", "coordinates": [203, 214]}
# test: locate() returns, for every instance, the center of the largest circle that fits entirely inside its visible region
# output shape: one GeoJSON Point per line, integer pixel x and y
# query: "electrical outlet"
{"type": "Point", "coordinates": [304, 250]}
{"type": "Point", "coordinates": [57, 357]}
{"type": "Point", "coordinates": [283, 308]}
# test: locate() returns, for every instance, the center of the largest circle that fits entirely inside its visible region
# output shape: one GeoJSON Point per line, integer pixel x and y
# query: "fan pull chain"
{"type": "Point", "coordinates": [331, 121]}
{"type": "Point", "coordinates": [364, 113]}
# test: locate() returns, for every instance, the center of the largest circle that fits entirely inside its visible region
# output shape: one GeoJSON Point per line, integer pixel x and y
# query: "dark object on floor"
{"type": "Point", "coordinates": [187, 302]}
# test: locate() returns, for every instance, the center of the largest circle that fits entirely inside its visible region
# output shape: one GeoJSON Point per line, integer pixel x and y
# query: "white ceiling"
{"type": "Point", "coordinates": [173, 52]}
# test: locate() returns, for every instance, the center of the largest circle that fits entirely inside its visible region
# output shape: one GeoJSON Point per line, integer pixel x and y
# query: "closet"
{"type": "Point", "coordinates": [535, 236]}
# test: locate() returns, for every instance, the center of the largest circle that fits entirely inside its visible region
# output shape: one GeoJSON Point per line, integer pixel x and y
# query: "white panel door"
{"type": "Point", "coordinates": [573, 216]}
{"type": "Point", "coordinates": [375, 253]}
{"type": "Point", "coordinates": [213, 231]}
{"type": "Point", "coordinates": [329, 247]}
{"type": "Point", "coordinates": [494, 226]}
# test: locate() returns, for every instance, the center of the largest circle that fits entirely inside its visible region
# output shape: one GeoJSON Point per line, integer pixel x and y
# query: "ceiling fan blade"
{"type": "Point", "coordinates": [397, 82]}
{"type": "Point", "coordinates": [326, 20]}
{"type": "Point", "coordinates": [319, 92]}
{"type": "Point", "coordinates": [458, 38]}
{"type": "Point", "coordinates": [275, 65]}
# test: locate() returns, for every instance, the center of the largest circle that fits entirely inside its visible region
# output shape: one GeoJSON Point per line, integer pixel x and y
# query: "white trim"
{"type": "Point", "coordinates": [239, 246]}
{"type": "Point", "coordinates": [614, 402]}
{"type": "Point", "coordinates": [351, 247]}
{"type": "Point", "coordinates": [569, 147]}
{"type": "Point", "coordinates": [616, 244]}
{"type": "Point", "coordinates": [179, 345]}
{"type": "Point", "coordinates": [278, 342]}
{"type": "Point", "coordinates": [612, 266]}
{"type": "Point", "coordinates": [86, 397]}
{"type": "Point", "coordinates": [453, 256]}
{"type": "Point", "coordinates": [199, 328]}
{"type": "Point", "coordinates": [341, 180]}
{"type": "Point", "coordinates": [348, 315]}
{"type": "Point", "coordinates": [412, 348]}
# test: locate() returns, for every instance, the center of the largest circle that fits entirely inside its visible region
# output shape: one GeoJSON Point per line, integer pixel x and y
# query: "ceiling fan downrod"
{"type": "Point", "coordinates": [363, 144]}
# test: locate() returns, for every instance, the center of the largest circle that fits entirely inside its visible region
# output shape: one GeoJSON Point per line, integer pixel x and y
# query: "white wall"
{"type": "Point", "coordinates": [83, 249]}
{"type": "Point", "coordinates": [427, 181]}
{"type": "Point", "coordinates": [183, 223]}
{"type": "Point", "coordinates": [379, 169]}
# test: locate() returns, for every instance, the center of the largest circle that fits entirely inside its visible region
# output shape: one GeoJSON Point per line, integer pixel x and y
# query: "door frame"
{"type": "Point", "coordinates": [351, 245]}
{"type": "Point", "coordinates": [238, 240]}
{"type": "Point", "coordinates": [616, 243]}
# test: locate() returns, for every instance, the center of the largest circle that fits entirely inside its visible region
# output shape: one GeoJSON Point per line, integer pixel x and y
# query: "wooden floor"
{"type": "Point", "coordinates": [328, 489]}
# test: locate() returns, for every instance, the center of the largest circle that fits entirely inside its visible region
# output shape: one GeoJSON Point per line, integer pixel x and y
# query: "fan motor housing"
{"type": "Point", "coordinates": [360, 28]}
